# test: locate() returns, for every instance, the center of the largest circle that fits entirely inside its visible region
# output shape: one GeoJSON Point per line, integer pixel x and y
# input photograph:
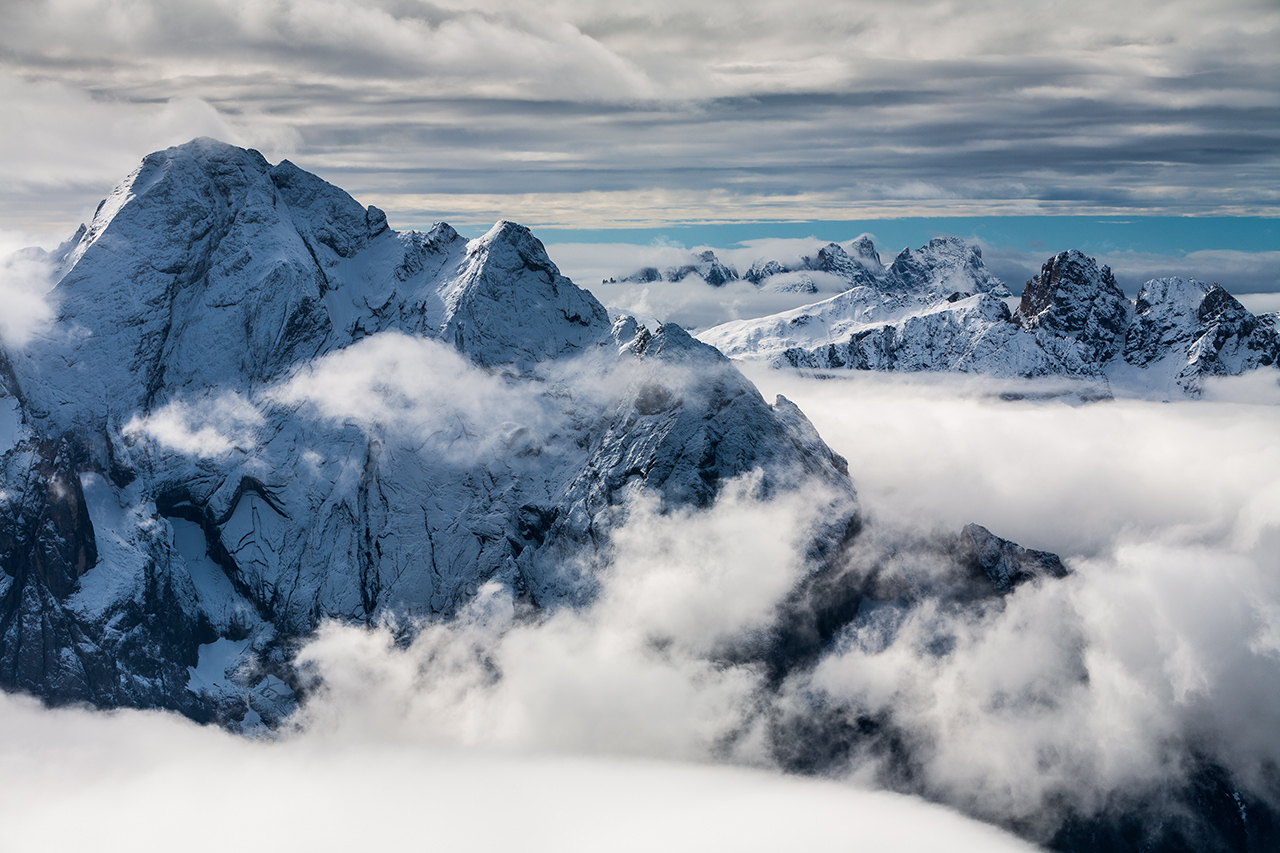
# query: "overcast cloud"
{"type": "Point", "coordinates": [584, 114]}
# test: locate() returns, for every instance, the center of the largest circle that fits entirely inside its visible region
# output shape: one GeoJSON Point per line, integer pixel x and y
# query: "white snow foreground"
{"type": "Point", "coordinates": [1072, 321]}
{"type": "Point", "coordinates": [259, 407]}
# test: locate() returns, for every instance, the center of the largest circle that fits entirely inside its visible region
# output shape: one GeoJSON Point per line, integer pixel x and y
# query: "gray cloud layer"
{"type": "Point", "coordinates": [584, 114]}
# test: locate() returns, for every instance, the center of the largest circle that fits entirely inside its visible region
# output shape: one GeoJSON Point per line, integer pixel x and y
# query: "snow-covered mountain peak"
{"type": "Point", "coordinates": [864, 250]}
{"type": "Point", "coordinates": [675, 345]}
{"type": "Point", "coordinates": [209, 267]}
{"type": "Point", "coordinates": [1073, 297]}
{"type": "Point", "coordinates": [1219, 335]}
{"type": "Point", "coordinates": [945, 265]}
{"type": "Point", "coordinates": [1166, 313]}
{"type": "Point", "coordinates": [181, 179]}
{"type": "Point", "coordinates": [510, 304]}
{"type": "Point", "coordinates": [194, 273]}
{"type": "Point", "coordinates": [832, 258]}
{"type": "Point", "coordinates": [326, 213]}
{"type": "Point", "coordinates": [1068, 277]}
{"type": "Point", "coordinates": [1171, 292]}
{"type": "Point", "coordinates": [267, 408]}
{"type": "Point", "coordinates": [195, 190]}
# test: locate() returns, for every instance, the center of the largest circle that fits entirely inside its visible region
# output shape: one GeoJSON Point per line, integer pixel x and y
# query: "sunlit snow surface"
{"type": "Point", "coordinates": [74, 780]}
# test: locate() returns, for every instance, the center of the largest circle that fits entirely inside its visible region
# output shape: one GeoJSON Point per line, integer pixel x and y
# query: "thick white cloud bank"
{"type": "Point", "coordinates": [633, 673]}
{"type": "Point", "coordinates": [75, 780]}
{"type": "Point", "coordinates": [1162, 640]}
{"type": "Point", "coordinates": [943, 450]}
{"type": "Point", "coordinates": [1163, 643]}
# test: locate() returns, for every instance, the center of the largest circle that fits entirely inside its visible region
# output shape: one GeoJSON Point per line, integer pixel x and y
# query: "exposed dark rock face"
{"type": "Point", "coordinates": [708, 267]}
{"type": "Point", "coordinates": [46, 537]}
{"type": "Point", "coordinates": [760, 270]}
{"type": "Point", "coordinates": [1006, 564]}
{"type": "Point", "coordinates": [1209, 813]}
{"type": "Point", "coordinates": [644, 275]}
{"type": "Point", "coordinates": [137, 654]}
{"type": "Point", "coordinates": [833, 259]}
{"type": "Point", "coordinates": [1073, 299]}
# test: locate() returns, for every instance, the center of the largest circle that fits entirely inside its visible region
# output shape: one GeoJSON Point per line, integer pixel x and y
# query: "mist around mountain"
{"type": "Point", "coordinates": [272, 465]}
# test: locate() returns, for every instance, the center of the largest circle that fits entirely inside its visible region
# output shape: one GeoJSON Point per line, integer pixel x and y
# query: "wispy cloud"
{"type": "Point", "coordinates": [209, 426]}
{"type": "Point", "coordinates": [26, 277]}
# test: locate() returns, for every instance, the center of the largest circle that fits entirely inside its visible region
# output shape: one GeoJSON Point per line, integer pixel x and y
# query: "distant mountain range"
{"type": "Point", "coordinates": [938, 308]}
{"type": "Point", "coordinates": [946, 264]}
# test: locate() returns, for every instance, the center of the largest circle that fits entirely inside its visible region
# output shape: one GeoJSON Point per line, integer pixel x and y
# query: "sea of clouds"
{"type": "Point", "coordinates": [1162, 645]}
{"type": "Point", "coordinates": [621, 724]}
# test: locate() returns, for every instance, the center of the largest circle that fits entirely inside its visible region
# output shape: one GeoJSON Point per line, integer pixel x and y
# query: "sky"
{"type": "Point", "coordinates": [699, 124]}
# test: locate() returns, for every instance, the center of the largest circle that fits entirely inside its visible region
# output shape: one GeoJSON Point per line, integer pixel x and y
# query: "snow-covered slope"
{"type": "Point", "coordinates": [260, 407]}
{"type": "Point", "coordinates": [1072, 321]}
